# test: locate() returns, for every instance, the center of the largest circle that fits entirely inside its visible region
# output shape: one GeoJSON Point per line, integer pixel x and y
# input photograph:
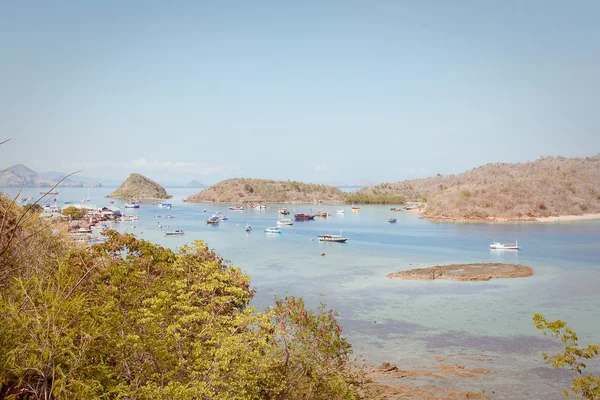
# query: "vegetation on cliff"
{"type": "Point", "coordinates": [139, 187]}
{"type": "Point", "coordinates": [130, 319]}
{"type": "Point", "coordinates": [240, 190]}
{"type": "Point", "coordinates": [550, 186]}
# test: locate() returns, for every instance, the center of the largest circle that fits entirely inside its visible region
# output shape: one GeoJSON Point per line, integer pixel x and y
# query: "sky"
{"type": "Point", "coordinates": [337, 92]}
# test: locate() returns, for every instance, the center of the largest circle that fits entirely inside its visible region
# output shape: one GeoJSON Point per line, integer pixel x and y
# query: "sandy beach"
{"type": "Point", "coordinates": [569, 218]}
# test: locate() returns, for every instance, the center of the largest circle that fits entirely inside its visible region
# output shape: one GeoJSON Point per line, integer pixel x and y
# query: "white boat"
{"type": "Point", "coordinates": [133, 204]}
{"type": "Point", "coordinates": [283, 222]}
{"type": "Point", "coordinates": [506, 246]}
{"type": "Point", "coordinates": [392, 220]}
{"type": "Point", "coordinates": [260, 206]}
{"type": "Point", "coordinates": [165, 205]}
{"type": "Point", "coordinates": [333, 238]}
{"type": "Point", "coordinates": [126, 218]}
{"type": "Point", "coordinates": [175, 232]}
{"type": "Point", "coordinates": [214, 220]}
{"type": "Point", "coordinates": [236, 208]}
{"type": "Point", "coordinates": [283, 211]}
{"type": "Point", "coordinates": [340, 211]}
{"type": "Point", "coordinates": [272, 229]}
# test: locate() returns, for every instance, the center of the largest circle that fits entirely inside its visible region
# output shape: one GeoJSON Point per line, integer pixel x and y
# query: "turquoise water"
{"type": "Point", "coordinates": [408, 322]}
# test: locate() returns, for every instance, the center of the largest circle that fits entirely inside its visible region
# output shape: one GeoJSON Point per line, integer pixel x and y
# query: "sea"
{"type": "Point", "coordinates": [413, 324]}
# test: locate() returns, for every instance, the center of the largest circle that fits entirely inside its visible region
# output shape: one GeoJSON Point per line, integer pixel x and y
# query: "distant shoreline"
{"type": "Point", "coordinates": [502, 220]}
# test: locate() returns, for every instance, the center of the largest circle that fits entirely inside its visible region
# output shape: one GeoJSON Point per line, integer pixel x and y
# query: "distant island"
{"type": "Point", "coordinates": [195, 184]}
{"type": "Point", "coordinates": [548, 187]}
{"type": "Point", "coordinates": [19, 175]}
{"type": "Point", "coordinates": [139, 187]}
{"type": "Point", "coordinates": [241, 190]}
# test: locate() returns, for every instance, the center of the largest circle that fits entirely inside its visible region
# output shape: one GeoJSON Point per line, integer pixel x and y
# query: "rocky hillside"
{"type": "Point", "coordinates": [139, 187]}
{"type": "Point", "coordinates": [19, 174]}
{"type": "Point", "coordinates": [242, 190]}
{"type": "Point", "coordinates": [550, 186]}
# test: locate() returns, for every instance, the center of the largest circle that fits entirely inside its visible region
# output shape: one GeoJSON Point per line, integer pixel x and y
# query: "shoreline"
{"type": "Point", "coordinates": [503, 220]}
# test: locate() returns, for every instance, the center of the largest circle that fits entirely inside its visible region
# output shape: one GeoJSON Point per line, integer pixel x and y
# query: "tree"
{"type": "Point", "coordinates": [73, 212]}
{"type": "Point", "coordinates": [573, 357]}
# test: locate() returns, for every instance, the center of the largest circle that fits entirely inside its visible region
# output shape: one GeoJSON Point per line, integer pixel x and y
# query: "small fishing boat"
{"type": "Point", "coordinates": [505, 246]}
{"type": "Point", "coordinates": [283, 222]}
{"type": "Point", "coordinates": [236, 208]}
{"type": "Point", "coordinates": [355, 209]}
{"type": "Point", "coordinates": [260, 206]}
{"type": "Point", "coordinates": [340, 211]}
{"type": "Point", "coordinates": [133, 204]}
{"type": "Point", "coordinates": [283, 211]}
{"type": "Point", "coordinates": [223, 218]}
{"type": "Point", "coordinates": [175, 232]}
{"type": "Point", "coordinates": [214, 220]}
{"type": "Point", "coordinates": [392, 220]}
{"type": "Point", "coordinates": [333, 238]}
{"type": "Point", "coordinates": [321, 214]}
{"type": "Point", "coordinates": [272, 229]}
{"type": "Point", "coordinates": [395, 209]}
{"type": "Point", "coordinates": [165, 205]}
{"type": "Point", "coordinates": [248, 228]}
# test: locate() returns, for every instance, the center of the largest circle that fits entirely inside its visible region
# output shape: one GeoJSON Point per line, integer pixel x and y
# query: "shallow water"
{"type": "Point", "coordinates": [408, 322]}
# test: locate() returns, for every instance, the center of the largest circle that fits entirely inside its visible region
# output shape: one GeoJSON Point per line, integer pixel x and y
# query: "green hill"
{"type": "Point", "coordinates": [550, 186]}
{"type": "Point", "coordinates": [241, 190]}
{"type": "Point", "coordinates": [139, 187]}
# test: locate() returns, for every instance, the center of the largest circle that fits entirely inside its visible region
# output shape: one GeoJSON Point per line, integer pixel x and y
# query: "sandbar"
{"type": "Point", "coordinates": [465, 272]}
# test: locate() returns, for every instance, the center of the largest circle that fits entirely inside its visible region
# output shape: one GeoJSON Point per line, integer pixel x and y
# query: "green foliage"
{"type": "Point", "coordinates": [73, 212]}
{"type": "Point", "coordinates": [33, 207]}
{"type": "Point", "coordinates": [364, 198]}
{"type": "Point", "coordinates": [583, 386]}
{"type": "Point", "coordinates": [130, 319]}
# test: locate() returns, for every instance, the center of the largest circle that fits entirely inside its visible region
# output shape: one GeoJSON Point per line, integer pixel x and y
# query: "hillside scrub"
{"type": "Point", "coordinates": [240, 190]}
{"type": "Point", "coordinates": [130, 319]}
{"type": "Point", "coordinates": [139, 187]}
{"type": "Point", "coordinates": [550, 186]}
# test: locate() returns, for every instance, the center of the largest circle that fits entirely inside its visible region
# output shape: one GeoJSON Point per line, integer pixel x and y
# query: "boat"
{"type": "Point", "coordinates": [127, 218]}
{"type": "Point", "coordinates": [248, 228]}
{"type": "Point", "coordinates": [236, 208]}
{"type": "Point", "coordinates": [214, 220]}
{"type": "Point", "coordinates": [260, 206]}
{"type": "Point", "coordinates": [66, 202]}
{"type": "Point", "coordinates": [355, 209]}
{"type": "Point", "coordinates": [506, 246]}
{"type": "Point", "coordinates": [340, 211]}
{"type": "Point", "coordinates": [223, 218]}
{"type": "Point", "coordinates": [272, 229]}
{"type": "Point", "coordinates": [303, 217]}
{"type": "Point", "coordinates": [165, 205]}
{"type": "Point", "coordinates": [48, 193]}
{"type": "Point", "coordinates": [168, 216]}
{"type": "Point", "coordinates": [283, 222]}
{"type": "Point", "coordinates": [283, 211]}
{"type": "Point", "coordinates": [321, 214]}
{"type": "Point", "coordinates": [133, 204]}
{"type": "Point", "coordinates": [392, 220]}
{"type": "Point", "coordinates": [175, 232]}
{"type": "Point", "coordinates": [333, 238]}
{"type": "Point", "coordinates": [395, 209]}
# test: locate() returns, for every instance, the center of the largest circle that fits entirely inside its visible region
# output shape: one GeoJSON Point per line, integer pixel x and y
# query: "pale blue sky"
{"type": "Point", "coordinates": [321, 91]}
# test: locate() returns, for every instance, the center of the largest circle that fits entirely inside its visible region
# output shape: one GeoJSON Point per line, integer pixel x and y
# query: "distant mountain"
{"type": "Point", "coordinates": [19, 174]}
{"type": "Point", "coordinates": [139, 187]}
{"type": "Point", "coordinates": [92, 181]}
{"type": "Point", "coordinates": [195, 184]}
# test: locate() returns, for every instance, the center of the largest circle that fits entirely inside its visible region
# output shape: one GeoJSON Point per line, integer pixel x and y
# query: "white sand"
{"type": "Point", "coordinates": [567, 218]}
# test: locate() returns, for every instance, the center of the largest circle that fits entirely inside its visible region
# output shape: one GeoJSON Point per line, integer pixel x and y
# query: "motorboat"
{"type": "Point", "coordinates": [214, 220]}
{"type": "Point", "coordinates": [175, 232]}
{"type": "Point", "coordinates": [272, 229]}
{"type": "Point", "coordinates": [165, 205]}
{"type": "Point", "coordinates": [392, 220]}
{"type": "Point", "coordinates": [133, 204]}
{"type": "Point", "coordinates": [355, 209]}
{"type": "Point", "coordinates": [283, 222]}
{"type": "Point", "coordinates": [505, 246]}
{"type": "Point", "coordinates": [283, 211]}
{"type": "Point", "coordinates": [127, 218]}
{"type": "Point", "coordinates": [321, 214]}
{"type": "Point", "coordinates": [248, 228]}
{"type": "Point", "coordinates": [333, 238]}
{"type": "Point", "coordinates": [340, 211]}
{"type": "Point", "coordinates": [236, 208]}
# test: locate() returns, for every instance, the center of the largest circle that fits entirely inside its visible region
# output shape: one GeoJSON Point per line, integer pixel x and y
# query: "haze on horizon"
{"type": "Point", "coordinates": [331, 92]}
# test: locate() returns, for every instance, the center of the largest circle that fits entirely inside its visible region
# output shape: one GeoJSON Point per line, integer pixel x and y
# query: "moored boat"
{"type": "Point", "coordinates": [48, 193]}
{"type": "Point", "coordinates": [272, 229]}
{"type": "Point", "coordinates": [175, 232]}
{"type": "Point", "coordinates": [214, 220]}
{"type": "Point", "coordinates": [355, 209]}
{"type": "Point", "coordinates": [392, 220]}
{"type": "Point", "coordinates": [133, 204]}
{"type": "Point", "coordinates": [236, 208]}
{"type": "Point", "coordinates": [395, 209]}
{"type": "Point", "coordinates": [165, 205]}
{"type": "Point", "coordinates": [303, 217]}
{"type": "Point", "coordinates": [248, 228]}
{"type": "Point", "coordinates": [321, 214]}
{"type": "Point", "coordinates": [283, 222]}
{"type": "Point", "coordinates": [283, 211]}
{"type": "Point", "coordinates": [505, 246]}
{"type": "Point", "coordinates": [340, 211]}
{"type": "Point", "coordinates": [333, 238]}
